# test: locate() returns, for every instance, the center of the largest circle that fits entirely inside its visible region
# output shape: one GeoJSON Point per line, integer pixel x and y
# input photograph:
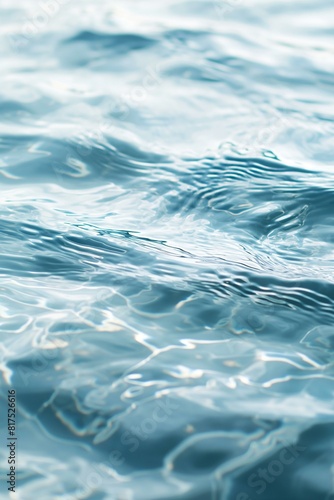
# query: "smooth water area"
{"type": "Point", "coordinates": [167, 248]}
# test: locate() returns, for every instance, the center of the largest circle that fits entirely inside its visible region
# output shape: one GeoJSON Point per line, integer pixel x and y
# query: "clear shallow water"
{"type": "Point", "coordinates": [167, 248]}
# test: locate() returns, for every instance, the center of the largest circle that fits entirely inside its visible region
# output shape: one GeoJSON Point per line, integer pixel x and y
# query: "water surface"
{"type": "Point", "coordinates": [167, 248]}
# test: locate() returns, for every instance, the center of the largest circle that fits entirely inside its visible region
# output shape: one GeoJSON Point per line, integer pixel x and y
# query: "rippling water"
{"type": "Point", "coordinates": [167, 248]}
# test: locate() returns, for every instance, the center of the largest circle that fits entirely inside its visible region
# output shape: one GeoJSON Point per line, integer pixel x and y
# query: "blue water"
{"type": "Point", "coordinates": [167, 248]}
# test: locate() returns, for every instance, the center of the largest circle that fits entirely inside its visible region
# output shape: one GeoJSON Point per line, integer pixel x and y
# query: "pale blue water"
{"type": "Point", "coordinates": [167, 248]}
